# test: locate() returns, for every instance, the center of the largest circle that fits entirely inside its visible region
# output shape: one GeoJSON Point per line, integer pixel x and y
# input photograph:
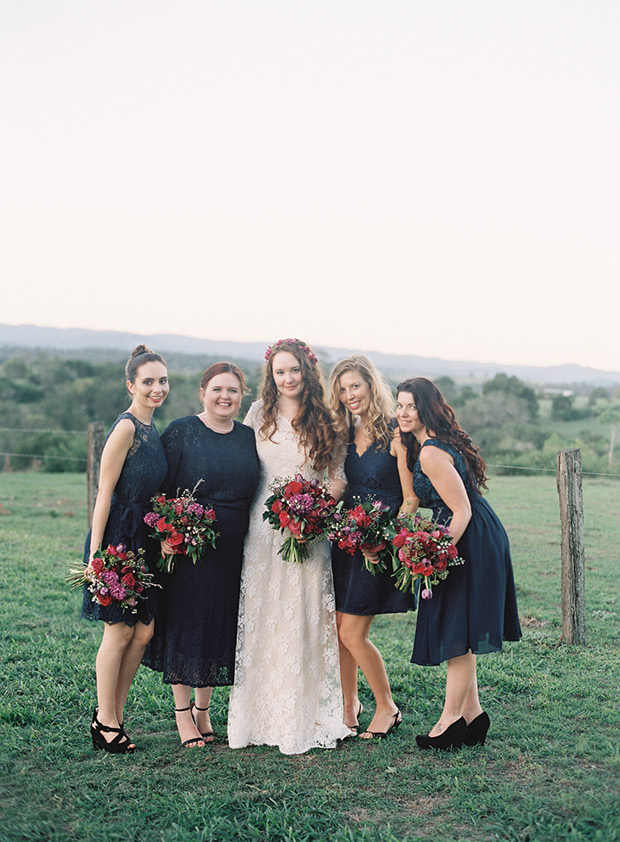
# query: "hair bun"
{"type": "Point", "coordinates": [140, 349]}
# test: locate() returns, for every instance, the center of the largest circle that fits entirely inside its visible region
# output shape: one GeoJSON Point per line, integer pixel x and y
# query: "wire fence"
{"type": "Point", "coordinates": [83, 459]}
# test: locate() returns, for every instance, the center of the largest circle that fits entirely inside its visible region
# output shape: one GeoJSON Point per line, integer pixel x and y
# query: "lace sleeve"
{"type": "Point", "coordinates": [336, 477]}
{"type": "Point", "coordinates": [172, 440]}
{"type": "Point", "coordinates": [252, 418]}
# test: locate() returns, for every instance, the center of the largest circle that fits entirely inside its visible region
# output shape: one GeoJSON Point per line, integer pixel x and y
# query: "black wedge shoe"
{"type": "Point", "coordinates": [452, 737]}
{"type": "Point", "coordinates": [477, 730]}
{"type": "Point", "coordinates": [119, 745]}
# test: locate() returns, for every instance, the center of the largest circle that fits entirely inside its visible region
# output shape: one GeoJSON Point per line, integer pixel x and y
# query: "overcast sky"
{"type": "Point", "coordinates": [436, 178]}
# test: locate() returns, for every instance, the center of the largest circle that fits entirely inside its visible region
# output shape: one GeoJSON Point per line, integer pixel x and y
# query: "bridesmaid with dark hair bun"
{"type": "Point", "coordinates": [196, 634]}
{"type": "Point", "coordinates": [133, 466]}
{"type": "Point", "coordinates": [475, 608]}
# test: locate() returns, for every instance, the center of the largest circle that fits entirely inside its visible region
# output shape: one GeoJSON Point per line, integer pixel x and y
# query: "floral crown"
{"type": "Point", "coordinates": [291, 341]}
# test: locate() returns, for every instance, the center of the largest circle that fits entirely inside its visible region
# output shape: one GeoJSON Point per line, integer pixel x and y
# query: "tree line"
{"type": "Point", "coordinates": [47, 402]}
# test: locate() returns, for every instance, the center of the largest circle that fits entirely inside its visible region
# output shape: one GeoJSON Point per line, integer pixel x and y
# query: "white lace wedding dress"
{"type": "Point", "coordinates": [287, 683]}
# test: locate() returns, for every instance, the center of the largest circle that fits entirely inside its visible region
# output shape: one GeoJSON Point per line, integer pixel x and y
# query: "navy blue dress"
{"type": "Point", "coordinates": [375, 474]}
{"type": "Point", "coordinates": [141, 478]}
{"type": "Point", "coordinates": [196, 632]}
{"type": "Point", "coordinates": [475, 607]}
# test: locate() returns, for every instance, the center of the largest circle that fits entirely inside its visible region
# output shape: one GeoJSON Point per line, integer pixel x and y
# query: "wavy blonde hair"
{"type": "Point", "coordinates": [313, 423]}
{"type": "Point", "coordinates": [380, 410]}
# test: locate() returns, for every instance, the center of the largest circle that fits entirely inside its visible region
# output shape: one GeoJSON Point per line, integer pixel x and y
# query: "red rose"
{"type": "Point", "coordinates": [104, 599]}
{"type": "Point", "coordinates": [295, 528]}
{"type": "Point", "coordinates": [175, 539]}
{"type": "Point", "coordinates": [374, 548]}
{"type": "Point", "coordinates": [128, 580]}
{"type": "Point", "coordinates": [112, 550]}
{"type": "Point", "coordinates": [293, 488]}
{"type": "Point", "coordinates": [277, 507]}
{"type": "Point", "coordinates": [452, 551]}
{"type": "Point", "coordinates": [161, 525]}
{"type": "Point", "coordinates": [400, 540]}
{"type": "Point", "coordinates": [97, 565]}
{"type": "Point", "coordinates": [178, 508]}
{"type": "Point", "coordinates": [284, 519]}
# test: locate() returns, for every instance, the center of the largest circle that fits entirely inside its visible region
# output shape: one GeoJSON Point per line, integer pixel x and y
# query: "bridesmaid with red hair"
{"type": "Point", "coordinates": [194, 645]}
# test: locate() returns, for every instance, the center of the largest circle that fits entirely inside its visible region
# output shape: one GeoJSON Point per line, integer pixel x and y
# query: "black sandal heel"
{"type": "Point", "coordinates": [193, 740]}
{"type": "Point", "coordinates": [119, 745]}
{"type": "Point", "coordinates": [206, 734]}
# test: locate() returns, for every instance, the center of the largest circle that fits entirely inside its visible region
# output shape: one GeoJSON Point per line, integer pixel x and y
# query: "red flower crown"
{"type": "Point", "coordinates": [291, 341]}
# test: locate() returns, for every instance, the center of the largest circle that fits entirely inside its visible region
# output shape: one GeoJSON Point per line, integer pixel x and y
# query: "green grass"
{"type": "Point", "coordinates": [550, 769]}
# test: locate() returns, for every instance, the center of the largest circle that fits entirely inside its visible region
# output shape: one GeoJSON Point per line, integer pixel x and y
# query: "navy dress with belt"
{"type": "Point", "coordinates": [475, 607]}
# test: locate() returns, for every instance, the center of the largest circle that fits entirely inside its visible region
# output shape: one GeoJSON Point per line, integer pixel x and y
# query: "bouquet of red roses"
{"type": "Point", "coordinates": [118, 575]}
{"type": "Point", "coordinates": [303, 507]}
{"type": "Point", "coordinates": [425, 551]}
{"type": "Point", "coordinates": [184, 523]}
{"type": "Point", "coordinates": [368, 526]}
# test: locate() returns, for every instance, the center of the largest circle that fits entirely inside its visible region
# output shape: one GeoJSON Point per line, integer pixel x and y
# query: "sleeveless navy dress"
{"type": "Point", "coordinates": [475, 607]}
{"type": "Point", "coordinates": [375, 474]}
{"type": "Point", "coordinates": [140, 479]}
{"type": "Point", "coordinates": [196, 632]}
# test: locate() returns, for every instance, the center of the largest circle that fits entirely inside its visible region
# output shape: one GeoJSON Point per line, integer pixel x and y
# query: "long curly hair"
{"type": "Point", "coordinates": [380, 409]}
{"type": "Point", "coordinates": [438, 416]}
{"type": "Point", "coordinates": [313, 423]}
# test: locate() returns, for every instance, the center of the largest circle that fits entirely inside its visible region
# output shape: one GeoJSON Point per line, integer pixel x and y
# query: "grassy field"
{"type": "Point", "coordinates": [550, 769]}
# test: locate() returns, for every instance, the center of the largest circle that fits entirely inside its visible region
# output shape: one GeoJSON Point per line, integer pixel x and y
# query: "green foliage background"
{"type": "Point", "coordinates": [46, 403]}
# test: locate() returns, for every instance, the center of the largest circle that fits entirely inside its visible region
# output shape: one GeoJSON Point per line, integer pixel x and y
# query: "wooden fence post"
{"type": "Point", "coordinates": [573, 558]}
{"type": "Point", "coordinates": [96, 438]}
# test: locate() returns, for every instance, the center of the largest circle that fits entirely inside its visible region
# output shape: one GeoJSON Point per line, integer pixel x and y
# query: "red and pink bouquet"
{"type": "Point", "coordinates": [425, 551]}
{"type": "Point", "coordinates": [184, 523]}
{"type": "Point", "coordinates": [368, 527]}
{"type": "Point", "coordinates": [116, 574]}
{"type": "Point", "coordinates": [303, 507]}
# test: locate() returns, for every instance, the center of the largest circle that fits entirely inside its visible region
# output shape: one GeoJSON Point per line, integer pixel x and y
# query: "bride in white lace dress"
{"type": "Point", "coordinates": [287, 685]}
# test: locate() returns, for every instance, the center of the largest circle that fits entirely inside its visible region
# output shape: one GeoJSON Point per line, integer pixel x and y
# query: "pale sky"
{"type": "Point", "coordinates": [439, 178]}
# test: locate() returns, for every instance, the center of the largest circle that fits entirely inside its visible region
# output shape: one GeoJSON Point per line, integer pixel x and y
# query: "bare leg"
{"type": "Point", "coordinates": [202, 696]}
{"type": "Point", "coordinates": [116, 639]}
{"type": "Point", "coordinates": [461, 692]}
{"type": "Point", "coordinates": [348, 679]}
{"type": "Point", "coordinates": [130, 662]}
{"type": "Point", "coordinates": [354, 631]}
{"type": "Point", "coordinates": [185, 723]}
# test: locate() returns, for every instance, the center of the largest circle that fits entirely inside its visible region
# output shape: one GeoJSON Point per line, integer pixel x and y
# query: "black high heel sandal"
{"type": "Point", "coordinates": [121, 743]}
{"type": "Point", "coordinates": [206, 734]}
{"type": "Point", "coordinates": [193, 740]}
{"type": "Point", "coordinates": [356, 728]}
{"type": "Point", "coordinates": [452, 737]}
{"type": "Point", "coordinates": [397, 719]}
{"type": "Point", "coordinates": [477, 730]}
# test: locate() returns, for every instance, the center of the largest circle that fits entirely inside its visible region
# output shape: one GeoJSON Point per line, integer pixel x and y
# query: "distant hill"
{"type": "Point", "coordinates": [78, 339]}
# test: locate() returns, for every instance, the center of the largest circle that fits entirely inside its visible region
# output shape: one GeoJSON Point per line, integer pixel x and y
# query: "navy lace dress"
{"type": "Point", "coordinates": [141, 478]}
{"type": "Point", "coordinates": [196, 632]}
{"type": "Point", "coordinates": [475, 607]}
{"type": "Point", "coordinates": [374, 473]}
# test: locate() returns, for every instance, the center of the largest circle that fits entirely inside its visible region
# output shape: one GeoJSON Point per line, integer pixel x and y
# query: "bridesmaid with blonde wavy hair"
{"type": "Point", "coordinates": [375, 466]}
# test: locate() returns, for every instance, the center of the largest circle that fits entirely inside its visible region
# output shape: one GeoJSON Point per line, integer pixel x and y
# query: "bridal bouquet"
{"type": "Point", "coordinates": [425, 551]}
{"type": "Point", "coordinates": [368, 527]}
{"type": "Point", "coordinates": [118, 575]}
{"type": "Point", "coordinates": [184, 523]}
{"type": "Point", "coordinates": [303, 507]}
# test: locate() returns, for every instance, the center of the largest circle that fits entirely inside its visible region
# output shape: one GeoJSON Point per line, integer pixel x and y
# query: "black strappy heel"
{"type": "Point", "coordinates": [397, 718]}
{"type": "Point", "coordinates": [193, 740]}
{"type": "Point", "coordinates": [206, 734]}
{"type": "Point", "coordinates": [121, 743]}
